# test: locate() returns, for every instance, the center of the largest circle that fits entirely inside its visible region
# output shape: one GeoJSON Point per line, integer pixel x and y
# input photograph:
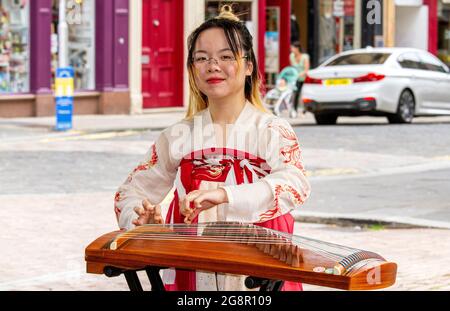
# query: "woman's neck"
{"type": "Point", "coordinates": [226, 110]}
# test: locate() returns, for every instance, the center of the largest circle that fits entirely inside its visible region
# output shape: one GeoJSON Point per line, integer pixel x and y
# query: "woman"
{"type": "Point", "coordinates": [226, 150]}
{"type": "Point", "coordinates": [300, 61]}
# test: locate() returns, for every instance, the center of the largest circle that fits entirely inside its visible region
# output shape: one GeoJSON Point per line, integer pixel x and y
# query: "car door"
{"type": "Point", "coordinates": [441, 78]}
{"type": "Point", "coordinates": [418, 82]}
{"type": "Point", "coordinates": [446, 83]}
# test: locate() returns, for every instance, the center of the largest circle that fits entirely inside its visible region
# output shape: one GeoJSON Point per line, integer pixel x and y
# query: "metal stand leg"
{"type": "Point", "coordinates": [264, 285]}
{"type": "Point", "coordinates": [155, 279]}
{"type": "Point", "coordinates": [133, 281]}
{"type": "Point", "coordinates": [272, 286]}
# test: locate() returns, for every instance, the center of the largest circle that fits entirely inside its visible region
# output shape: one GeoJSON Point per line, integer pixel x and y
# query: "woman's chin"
{"type": "Point", "coordinates": [215, 95]}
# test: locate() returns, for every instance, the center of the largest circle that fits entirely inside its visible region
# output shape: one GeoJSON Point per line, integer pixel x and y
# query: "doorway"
{"type": "Point", "coordinates": [162, 53]}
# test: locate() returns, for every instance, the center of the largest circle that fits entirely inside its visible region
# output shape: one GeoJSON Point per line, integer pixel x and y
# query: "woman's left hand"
{"type": "Point", "coordinates": [203, 200]}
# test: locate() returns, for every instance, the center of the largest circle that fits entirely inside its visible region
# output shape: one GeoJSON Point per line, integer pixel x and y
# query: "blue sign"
{"type": "Point", "coordinates": [64, 98]}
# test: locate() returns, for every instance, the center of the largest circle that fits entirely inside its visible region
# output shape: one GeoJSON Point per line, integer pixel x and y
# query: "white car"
{"type": "Point", "coordinates": [398, 83]}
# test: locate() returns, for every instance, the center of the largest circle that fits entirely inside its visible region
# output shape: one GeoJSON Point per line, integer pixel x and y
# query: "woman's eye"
{"type": "Point", "coordinates": [200, 59]}
{"type": "Point", "coordinates": [227, 58]}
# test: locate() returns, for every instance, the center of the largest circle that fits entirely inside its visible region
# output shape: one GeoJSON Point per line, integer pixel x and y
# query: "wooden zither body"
{"type": "Point", "coordinates": [243, 249]}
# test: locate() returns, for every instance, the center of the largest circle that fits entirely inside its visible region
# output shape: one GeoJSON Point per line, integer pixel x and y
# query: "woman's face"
{"type": "Point", "coordinates": [294, 49]}
{"type": "Point", "coordinates": [218, 78]}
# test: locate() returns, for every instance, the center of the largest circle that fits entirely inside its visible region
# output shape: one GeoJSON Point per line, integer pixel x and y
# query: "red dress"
{"type": "Point", "coordinates": [194, 171]}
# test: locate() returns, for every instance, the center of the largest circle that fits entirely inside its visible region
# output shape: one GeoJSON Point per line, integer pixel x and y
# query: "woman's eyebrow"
{"type": "Point", "coordinates": [203, 51]}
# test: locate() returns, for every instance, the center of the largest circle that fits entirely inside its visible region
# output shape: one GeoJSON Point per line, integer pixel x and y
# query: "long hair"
{"type": "Point", "coordinates": [239, 39]}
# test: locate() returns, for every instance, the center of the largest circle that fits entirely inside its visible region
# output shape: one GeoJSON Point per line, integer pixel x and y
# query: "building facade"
{"type": "Point", "coordinates": [97, 48]}
{"type": "Point", "coordinates": [129, 56]}
{"type": "Point", "coordinates": [158, 44]}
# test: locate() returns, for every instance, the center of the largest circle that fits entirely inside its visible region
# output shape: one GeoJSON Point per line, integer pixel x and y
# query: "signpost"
{"type": "Point", "coordinates": [64, 98]}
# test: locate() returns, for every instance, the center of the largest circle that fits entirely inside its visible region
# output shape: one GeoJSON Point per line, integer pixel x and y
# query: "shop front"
{"type": "Point", "coordinates": [14, 47]}
{"type": "Point", "coordinates": [81, 42]}
{"type": "Point", "coordinates": [158, 75]}
{"type": "Point", "coordinates": [97, 49]}
{"type": "Point", "coordinates": [277, 39]}
{"type": "Point", "coordinates": [336, 27]}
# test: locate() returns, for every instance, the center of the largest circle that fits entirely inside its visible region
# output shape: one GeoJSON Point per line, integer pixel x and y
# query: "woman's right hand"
{"type": "Point", "coordinates": [148, 214]}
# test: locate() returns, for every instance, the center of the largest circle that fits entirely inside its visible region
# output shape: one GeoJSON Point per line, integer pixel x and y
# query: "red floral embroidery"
{"type": "Point", "coordinates": [291, 153]}
{"type": "Point", "coordinates": [146, 165]}
{"type": "Point", "coordinates": [276, 211]}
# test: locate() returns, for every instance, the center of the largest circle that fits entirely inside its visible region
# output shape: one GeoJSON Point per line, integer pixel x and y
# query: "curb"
{"type": "Point", "coordinates": [368, 222]}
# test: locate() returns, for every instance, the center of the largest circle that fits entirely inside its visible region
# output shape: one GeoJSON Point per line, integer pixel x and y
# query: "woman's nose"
{"type": "Point", "coordinates": [213, 67]}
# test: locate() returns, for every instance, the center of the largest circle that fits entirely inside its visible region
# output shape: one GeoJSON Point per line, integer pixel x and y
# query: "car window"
{"type": "Point", "coordinates": [429, 62]}
{"type": "Point", "coordinates": [409, 60]}
{"type": "Point", "coordinates": [360, 59]}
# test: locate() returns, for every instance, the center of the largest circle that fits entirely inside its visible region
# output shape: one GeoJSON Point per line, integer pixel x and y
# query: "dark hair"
{"type": "Point", "coordinates": [298, 45]}
{"type": "Point", "coordinates": [238, 38]}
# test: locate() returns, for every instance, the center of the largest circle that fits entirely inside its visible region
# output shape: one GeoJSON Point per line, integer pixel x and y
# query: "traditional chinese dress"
{"type": "Point", "coordinates": [259, 166]}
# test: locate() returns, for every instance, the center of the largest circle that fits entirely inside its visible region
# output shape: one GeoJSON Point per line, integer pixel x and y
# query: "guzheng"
{"type": "Point", "coordinates": [243, 249]}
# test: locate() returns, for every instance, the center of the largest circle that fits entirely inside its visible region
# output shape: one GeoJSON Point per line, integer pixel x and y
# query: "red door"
{"type": "Point", "coordinates": [162, 53]}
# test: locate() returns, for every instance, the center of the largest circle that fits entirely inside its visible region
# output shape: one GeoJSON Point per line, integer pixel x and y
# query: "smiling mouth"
{"type": "Point", "coordinates": [214, 81]}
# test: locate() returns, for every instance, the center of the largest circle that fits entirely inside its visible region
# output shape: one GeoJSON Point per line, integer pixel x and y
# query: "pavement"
{"type": "Point", "coordinates": [45, 234]}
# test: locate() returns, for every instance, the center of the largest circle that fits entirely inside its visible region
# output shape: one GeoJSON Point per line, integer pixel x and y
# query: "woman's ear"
{"type": "Point", "coordinates": [249, 69]}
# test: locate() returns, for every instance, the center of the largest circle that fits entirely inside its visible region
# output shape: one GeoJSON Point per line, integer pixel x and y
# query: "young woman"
{"type": "Point", "coordinates": [300, 61]}
{"type": "Point", "coordinates": [229, 159]}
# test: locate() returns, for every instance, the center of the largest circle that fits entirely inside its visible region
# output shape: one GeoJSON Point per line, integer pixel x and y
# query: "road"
{"type": "Point", "coordinates": [377, 171]}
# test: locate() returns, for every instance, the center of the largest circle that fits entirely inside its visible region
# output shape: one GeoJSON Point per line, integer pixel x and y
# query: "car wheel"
{"type": "Point", "coordinates": [405, 109]}
{"type": "Point", "coordinates": [326, 119]}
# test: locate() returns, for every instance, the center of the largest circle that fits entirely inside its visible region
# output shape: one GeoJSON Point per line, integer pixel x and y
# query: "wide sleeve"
{"type": "Point", "coordinates": [282, 190]}
{"type": "Point", "coordinates": [152, 179]}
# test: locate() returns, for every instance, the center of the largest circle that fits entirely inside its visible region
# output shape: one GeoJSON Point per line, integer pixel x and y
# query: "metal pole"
{"type": "Point", "coordinates": [63, 36]}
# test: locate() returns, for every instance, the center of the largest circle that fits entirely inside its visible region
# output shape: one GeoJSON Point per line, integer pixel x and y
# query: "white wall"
{"type": "Point", "coordinates": [135, 52]}
{"type": "Point", "coordinates": [411, 27]}
{"type": "Point", "coordinates": [194, 16]}
{"type": "Point", "coordinates": [408, 2]}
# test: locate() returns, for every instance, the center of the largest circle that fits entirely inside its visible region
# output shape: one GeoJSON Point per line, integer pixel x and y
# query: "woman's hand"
{"type": "Point", "coordinates": [148, 214]}
{"type": "Point", "coordinates": [202, 200]}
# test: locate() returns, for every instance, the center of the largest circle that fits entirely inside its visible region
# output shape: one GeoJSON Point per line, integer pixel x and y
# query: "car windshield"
{"type": "Point", "coordinates": [360, 59]}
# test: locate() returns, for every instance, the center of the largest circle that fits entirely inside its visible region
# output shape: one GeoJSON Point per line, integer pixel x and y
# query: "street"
{"type": "Point", "coordinates": [56, 194]}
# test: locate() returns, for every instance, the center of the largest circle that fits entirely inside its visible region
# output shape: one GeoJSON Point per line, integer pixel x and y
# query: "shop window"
{"type": "Point", "coordinates": [14, 46]}
{"type": "Point", "coordinates": [336, 27]}
{"type": "Point", "coordinates": [81, 43]}
{"type": "Point", "coordinates": [272, 46]}
{"type": "Point", "coordinates": [242, 9]}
